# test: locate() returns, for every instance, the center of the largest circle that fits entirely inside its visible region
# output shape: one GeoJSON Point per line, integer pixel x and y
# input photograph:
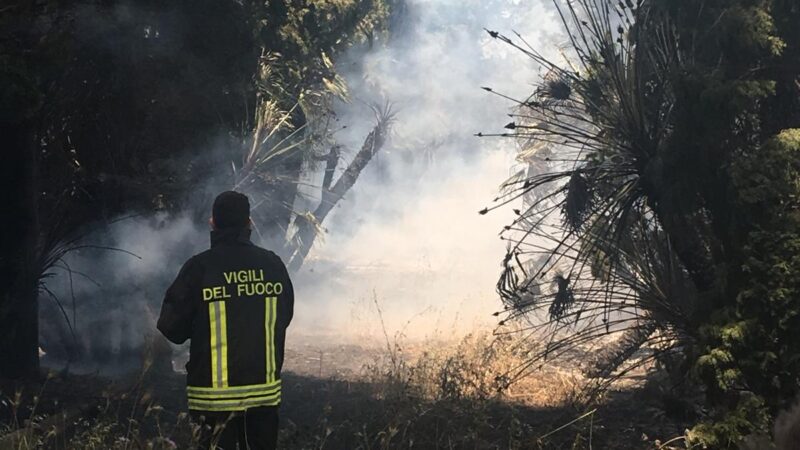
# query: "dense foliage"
{"type": "Point", "coordinates": [138, 107]}
{"type": "Point", "coordinates": [663, 199]}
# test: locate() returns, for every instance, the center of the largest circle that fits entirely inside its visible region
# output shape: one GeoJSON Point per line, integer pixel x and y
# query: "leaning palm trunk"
{"type": "Point", "coordinates": [309, 225]}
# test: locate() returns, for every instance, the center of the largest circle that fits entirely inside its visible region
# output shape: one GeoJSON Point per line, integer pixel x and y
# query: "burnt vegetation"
{"type": "Point", "coordinates": [660, 204]}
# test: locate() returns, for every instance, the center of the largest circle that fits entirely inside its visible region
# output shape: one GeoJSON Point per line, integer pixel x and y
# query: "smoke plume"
{"type": "Point", "coordinates": [406, 239]}
{"type": "Point", "coordinates": [408, 235]}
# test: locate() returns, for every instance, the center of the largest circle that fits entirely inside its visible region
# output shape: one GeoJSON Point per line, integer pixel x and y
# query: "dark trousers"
{"type": "Point", "coordinates": [253, 429]}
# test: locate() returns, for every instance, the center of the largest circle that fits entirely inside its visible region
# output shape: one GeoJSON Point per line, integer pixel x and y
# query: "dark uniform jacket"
{"type": "Point", "coordinates": [234, 301]}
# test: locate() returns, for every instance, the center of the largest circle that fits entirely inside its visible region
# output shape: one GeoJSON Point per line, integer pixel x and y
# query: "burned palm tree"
{"type": "Point", "coordinates": [595, 209]}
{"type": "Point", "coordinates": [278, 153]}
{"type": "Point", "coordinates": [309, 225]}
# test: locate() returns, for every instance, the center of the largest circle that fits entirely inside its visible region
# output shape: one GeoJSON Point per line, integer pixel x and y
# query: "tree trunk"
{"type": "Point", "coordinates": [19, 347]}
{"type": "Point", "coordinates": [307, 229]}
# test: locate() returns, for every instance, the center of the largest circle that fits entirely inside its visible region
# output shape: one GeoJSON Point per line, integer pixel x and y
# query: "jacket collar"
{"type": "Point", "coordinates": [230, 236]}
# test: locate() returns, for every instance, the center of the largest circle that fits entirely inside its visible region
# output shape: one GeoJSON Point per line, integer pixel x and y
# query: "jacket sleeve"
{"type": "Point", "coordinates": [180, 303]}
{"type": "Point", "coordinates": [287, 299]}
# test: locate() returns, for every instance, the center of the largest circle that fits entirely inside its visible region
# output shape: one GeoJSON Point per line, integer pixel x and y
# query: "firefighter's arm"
{"type": "Point", "coordinates": [178, 309]}
{"type": "Point", "coordinates": [288, 295]}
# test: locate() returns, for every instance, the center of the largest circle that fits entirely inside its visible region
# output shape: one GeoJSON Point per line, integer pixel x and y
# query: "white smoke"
{"type": "Point", "coordinates": [409, 233]}
{"type": "Point", "coordinates": [111, 290]}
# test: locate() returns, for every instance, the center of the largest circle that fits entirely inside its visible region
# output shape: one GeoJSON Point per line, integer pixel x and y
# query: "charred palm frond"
{"type": "Point", "coordinates": [620, 288]}
{"type": "Point", "coordinates": [555, 89]}
{"type": "Point", "coordinates": [559, 89]}
{"type": "Point", "coordinates": [578, 201]}
{"type": "Point", "coordinates": [563, 299]}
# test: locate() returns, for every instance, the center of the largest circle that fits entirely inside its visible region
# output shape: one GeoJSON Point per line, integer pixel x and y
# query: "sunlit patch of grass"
{"type": "Point", "coordinates": [475, 368]}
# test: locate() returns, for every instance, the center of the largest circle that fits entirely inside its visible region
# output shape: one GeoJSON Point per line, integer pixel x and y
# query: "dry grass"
{"type": "Point", "coordinates": [86, 412]}
{"type": "Point", "coordinates": [427, 395]}
{"type": "Point", "coordinates": [433, 395]}
{"type": "Point", "coordinates": [474, 368]}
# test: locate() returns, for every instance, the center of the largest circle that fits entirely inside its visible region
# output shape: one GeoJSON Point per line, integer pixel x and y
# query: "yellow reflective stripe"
{"type": "Point", "coordinates": [212, 318]}
{"type": "Point", "coordinates": [219, 344]}
{"type": "Point", "coordinates": [276, 391]}
{"type": "Point", "coordinates": [224, 344]}
{"type": "Point", "coordinates": [231, 389]}
{"type": "Point", "coordinates": [270, 307]}
{"type": "Point", "coordinates": [267, 321]}
{"type": "Point", "coordinates": [233, 392]}
{"type": "Point", "coordinates": [235, 405]}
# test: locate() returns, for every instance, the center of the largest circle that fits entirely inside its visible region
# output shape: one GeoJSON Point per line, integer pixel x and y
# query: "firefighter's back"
{"type": "Point", "coordinates": [234, 301]}
{"type": "Point", "coordinates": [240, 327]}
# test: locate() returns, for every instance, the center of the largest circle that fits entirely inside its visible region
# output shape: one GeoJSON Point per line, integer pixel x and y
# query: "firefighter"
{"type": "Point", "coordinates": [234, 302]}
